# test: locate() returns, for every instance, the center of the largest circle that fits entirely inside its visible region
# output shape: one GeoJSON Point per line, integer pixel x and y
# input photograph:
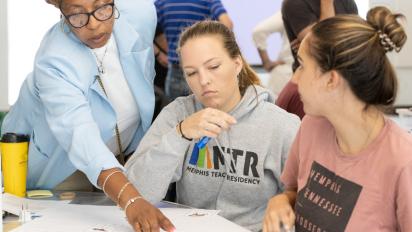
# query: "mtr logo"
{"type": "Point", "coordinates": [206, 159]}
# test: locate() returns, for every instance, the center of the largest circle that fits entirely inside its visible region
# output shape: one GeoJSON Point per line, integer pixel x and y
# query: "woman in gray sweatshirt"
{"type": "Point", "coordinates": [237, 170]}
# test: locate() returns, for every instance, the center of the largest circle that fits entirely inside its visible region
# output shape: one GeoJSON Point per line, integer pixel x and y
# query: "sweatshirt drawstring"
{"type": "Point", "coordinates": [225, 164]}
{"type": "Point", "coordinates": [231, 161]}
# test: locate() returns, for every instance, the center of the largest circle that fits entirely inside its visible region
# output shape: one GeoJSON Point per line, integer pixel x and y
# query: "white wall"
{"type": "Point", "coordinates": [405, 86]}
{"type": "Point", "coordinates": [25, 34]}
{"type": "Point", "coordinates": [246, 14]}
{"type": "Point", "coordinates": [21, 30]}
{"type": "Point", "coordinates": [3, 56]}
{"type": "Point", "coordinates": [363, 7]}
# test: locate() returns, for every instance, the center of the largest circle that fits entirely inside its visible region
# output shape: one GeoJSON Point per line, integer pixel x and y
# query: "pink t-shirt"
{"type": "Point", "coordinates": [370, 191]}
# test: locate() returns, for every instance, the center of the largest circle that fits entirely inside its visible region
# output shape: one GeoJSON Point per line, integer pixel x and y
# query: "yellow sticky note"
{"type": "Point", "coordinates": [39, 194]}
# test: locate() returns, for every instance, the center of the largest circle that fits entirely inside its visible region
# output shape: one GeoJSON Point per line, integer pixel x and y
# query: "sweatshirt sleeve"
{"type": "Point", "coordinates": [281, 145]}
{"type": "Point", "coordinates": [158, 161]}
{"type": "Point", "coordinates": [290, 171]}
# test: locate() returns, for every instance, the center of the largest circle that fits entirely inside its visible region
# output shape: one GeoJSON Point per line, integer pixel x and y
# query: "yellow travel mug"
{"type": "Point", "coordinates": [14, 156]}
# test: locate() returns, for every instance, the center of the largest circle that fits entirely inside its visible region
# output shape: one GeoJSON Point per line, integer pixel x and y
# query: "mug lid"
{"type": "Point", "coordinates": [14, 138]}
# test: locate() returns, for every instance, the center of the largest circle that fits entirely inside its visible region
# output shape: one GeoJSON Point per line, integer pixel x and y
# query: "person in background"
{"type": "Point", "coordinates": [238, 170]}
{"type": "Point", "coordinates": [280, 71]}
{"type": "Point", "coordinates": [298, 17]}
{"type": "Point", "coordinates": [173, 16]}
{"type": "Point", "coordinates": [90, 100]}
{"type": "Point", "coordinates": [350, 167]}
{"type": "Point", "coordinates": [161, 62]}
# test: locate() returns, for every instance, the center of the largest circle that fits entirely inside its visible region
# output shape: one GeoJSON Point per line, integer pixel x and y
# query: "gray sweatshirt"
{"type": "Point", "coordinates": [256, 148]}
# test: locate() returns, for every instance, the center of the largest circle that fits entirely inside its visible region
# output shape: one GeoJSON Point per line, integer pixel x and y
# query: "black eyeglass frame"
{"type": "Point", "coordinates": [67, 17]}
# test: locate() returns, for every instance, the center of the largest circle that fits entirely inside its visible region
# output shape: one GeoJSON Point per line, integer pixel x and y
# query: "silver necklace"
{"type": "Point", "coordinates": [100, 67]}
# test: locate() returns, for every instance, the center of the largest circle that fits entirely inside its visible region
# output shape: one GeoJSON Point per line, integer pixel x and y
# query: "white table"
{"type": "Point", "coordinates": [102, 214]}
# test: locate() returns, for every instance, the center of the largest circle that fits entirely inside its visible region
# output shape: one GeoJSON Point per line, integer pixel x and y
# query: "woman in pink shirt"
{"type": "Point", "coordinates": [350, 168]}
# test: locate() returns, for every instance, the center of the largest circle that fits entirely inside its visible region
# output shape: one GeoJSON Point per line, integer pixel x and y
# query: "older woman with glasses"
{"type": "Point", "coordinates": [89, 101]}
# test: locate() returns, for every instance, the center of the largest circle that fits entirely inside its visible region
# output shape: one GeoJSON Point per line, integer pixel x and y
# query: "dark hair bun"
{"type": "Point", "coordinates": [391, 33]}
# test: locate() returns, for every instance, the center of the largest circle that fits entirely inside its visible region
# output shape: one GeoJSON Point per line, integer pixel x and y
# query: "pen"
{"type": "Point", "coordinates": [202, 142]}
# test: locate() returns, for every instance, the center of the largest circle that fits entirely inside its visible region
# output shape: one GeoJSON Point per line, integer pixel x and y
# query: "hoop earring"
{"type": "Point", "coordinates": [238, 81]}
{"type": "Point", "coordinates": [116, 13]}
{"type": "Point", "coordinates": [63, 26]}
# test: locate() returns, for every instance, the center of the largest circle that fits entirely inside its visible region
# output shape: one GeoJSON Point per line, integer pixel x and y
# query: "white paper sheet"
{"type": "Point", "coordinates": [13, 204]}
{"type": "Point", "coordinates": [85, 218]}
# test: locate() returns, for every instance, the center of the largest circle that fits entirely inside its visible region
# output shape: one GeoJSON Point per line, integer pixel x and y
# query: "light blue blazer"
{"type": "Point", "coordinates": [63, 109]}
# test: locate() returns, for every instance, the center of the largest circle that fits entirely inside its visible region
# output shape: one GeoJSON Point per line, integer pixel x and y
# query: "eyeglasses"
{"type": "Point", "coordinates": [80, 20]}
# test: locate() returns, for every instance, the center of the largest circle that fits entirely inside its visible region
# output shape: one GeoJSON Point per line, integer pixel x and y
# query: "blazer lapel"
{"type": "Point", "coordinates": [137, 62]}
